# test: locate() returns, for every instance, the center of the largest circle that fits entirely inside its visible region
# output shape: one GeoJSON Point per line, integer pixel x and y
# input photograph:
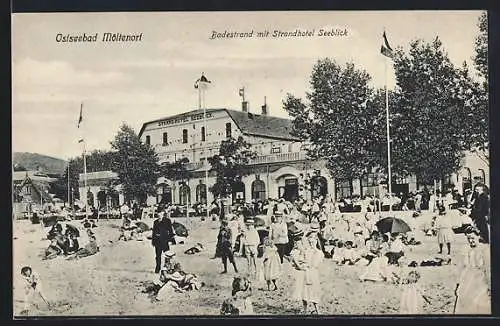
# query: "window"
{"type": "Point", "coordinates": [184, 136]}
{"type": "Point", "coordinates": [165, 139]}
{"type": "Point", "coordinates": [275, 150]}
{"type": "Point", "coordinates": [369, 185]}
{"type": "Point", "coordinates": [259, 190]}
{"type": "Point", "coordinates": [201, 194]}
{"type": "Point", "coordinates": [343, 188]}
{"type": "Point", "coordinates": [148, 140]}
{"type": "Point", "coordinates": [202, 133]}
{"type": "Point", "coordinates": [228, 130]}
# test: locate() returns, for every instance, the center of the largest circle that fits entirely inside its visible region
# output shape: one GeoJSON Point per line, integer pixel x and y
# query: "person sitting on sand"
{"type": "Point", "coordinates": [396, 249]}
{"type": "Point", "coordinates": [172, 276]}
{"type": "Point", "coordinates": [351, 256]}
{"type": "Point", "coordinates": [53, 250]}
{"type": "Point", "coordinates": [91, 248]}
{"type": "Point", "coordinates": [240, 302]}
{"type": "Point", "coordinates": [338, 253]}
{"type": "Point", "coordinates": [71, 244]}
{"type": "Point", "coordinates": [376, 271]}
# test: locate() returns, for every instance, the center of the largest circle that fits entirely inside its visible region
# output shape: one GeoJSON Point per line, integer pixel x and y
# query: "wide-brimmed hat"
{"type": "Point", "coordinates": [298, 233]}
{"type": "Point", "coordinates": [314, 227]}
{"type": "Point", "coordinates": [169, 253]}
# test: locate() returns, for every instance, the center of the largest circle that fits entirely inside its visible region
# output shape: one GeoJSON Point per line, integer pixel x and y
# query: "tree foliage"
{"type": "Point", "coordinates": [136, 164]}
{"type": "Point", "coordinates": [434, 107]}
{"type": "Point", "coordinates": [176, 171]}
{"type": "Point", "coordinates": [230, 165]}
{"type": "Point", "coordinates": [481, 46]}
{"type": "Point", "coordinates": [480, 141]}
{"type": "Point", "coordinates": [342, 119]}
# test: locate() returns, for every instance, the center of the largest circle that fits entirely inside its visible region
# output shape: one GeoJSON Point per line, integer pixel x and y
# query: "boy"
{"type": "Point", "coordinates": [251, 241]}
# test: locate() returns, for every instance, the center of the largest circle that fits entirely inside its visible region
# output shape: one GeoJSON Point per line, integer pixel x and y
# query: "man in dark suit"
{"type": "Point", "coordinates": [163, 234]}
{"type": "Point", "coordinates": [480, 212]}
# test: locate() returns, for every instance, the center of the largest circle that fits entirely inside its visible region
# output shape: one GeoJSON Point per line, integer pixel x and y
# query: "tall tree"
{"type": "Point", "coordinates": [341, 119]}
{"type": "Point", "coordinates": [230, 165]}
{"type": "Point", "coordinates": [480, 142]}
{"type": "Point", "coordinates": [427, 135]}
{"type": "Point", "coordinates": [136, 164]}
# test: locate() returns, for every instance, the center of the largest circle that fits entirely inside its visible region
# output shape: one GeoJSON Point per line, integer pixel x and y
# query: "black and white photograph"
{"type": "Point", "coordinates": [250, 163]}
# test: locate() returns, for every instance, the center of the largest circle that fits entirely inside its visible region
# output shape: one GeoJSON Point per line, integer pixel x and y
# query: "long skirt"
{"type": "Point", "coordinates": [307, 288]}
{"type": "Point", "coordinates": [473, 295]}
{"type": "Point", "coordinates": [411, 301]}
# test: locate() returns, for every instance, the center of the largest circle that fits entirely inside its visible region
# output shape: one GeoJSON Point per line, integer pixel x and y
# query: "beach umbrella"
{"type": "Point", "coordinates": [180, 229]}
{"type": "Point", "coordinates": [73, 229]}
{"type": "Point", "coordinates": [142, 226]}
{"type": "Point", "coordinates": [392, 225]}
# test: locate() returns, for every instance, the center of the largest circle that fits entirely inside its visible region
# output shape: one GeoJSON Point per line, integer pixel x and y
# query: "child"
{"type": "Point", "coordinates": [240, 302]}
{"type": "Point", "coordinates": [411, 298]}
{"type": "Point", "coordinates": [272, 263]}
{"type": "Point", "coordinates": [251, 241]}
{"type": "Point", "coordinates": [351, 256]}
{"type": "Point", "coordinates": [32, 286]}
{"type": "Point", "coordinates": [338, 253]}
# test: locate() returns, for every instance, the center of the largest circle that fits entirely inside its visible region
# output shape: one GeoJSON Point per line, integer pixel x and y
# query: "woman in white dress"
{"type": "Point", "coordinates": [472, 294]}
{"type": "Point", "coordinates": [306, 258]}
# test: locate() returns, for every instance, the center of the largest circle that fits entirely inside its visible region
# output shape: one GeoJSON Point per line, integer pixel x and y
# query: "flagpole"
{"type": "Point", "coordinates": [205, 151]}
{"type": "Point", "coordinates": [389, 172]}
{"type": "Point", "coordinates": [69, 199]}
{"type": "Point", "coordinates": [85, 180]}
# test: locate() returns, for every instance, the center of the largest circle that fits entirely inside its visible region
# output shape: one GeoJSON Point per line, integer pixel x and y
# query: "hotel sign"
{"type": "Point", "coordinates": [185, 119]}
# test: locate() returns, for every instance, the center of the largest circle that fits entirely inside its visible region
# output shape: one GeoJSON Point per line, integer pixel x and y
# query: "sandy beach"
{"type": "Point", "coordinates": [109, 283]}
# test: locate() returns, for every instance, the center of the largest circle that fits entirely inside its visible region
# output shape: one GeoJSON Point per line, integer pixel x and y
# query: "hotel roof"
{"type": "Point", "coordinates": [250, 124]}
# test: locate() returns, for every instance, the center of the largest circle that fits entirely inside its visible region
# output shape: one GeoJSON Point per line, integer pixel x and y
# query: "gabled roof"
{"type": "Point", "coordinates": [38, 188]}
{"type": "Point", "coordinates": [249, 123]}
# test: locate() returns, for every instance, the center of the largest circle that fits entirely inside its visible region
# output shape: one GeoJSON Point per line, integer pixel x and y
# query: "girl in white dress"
{"type": "Point", "coordinates": [306, 258]}
{"type": "Point", "coordinates": [272, 263]}
{"type": "Point", "coordinates": [411, 298]}
{"type": "Point", "coordinates": [471, 291]}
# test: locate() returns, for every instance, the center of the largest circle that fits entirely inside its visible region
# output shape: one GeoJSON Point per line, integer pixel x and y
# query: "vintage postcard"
{"type": "Point", "coordinates": [250, 163]}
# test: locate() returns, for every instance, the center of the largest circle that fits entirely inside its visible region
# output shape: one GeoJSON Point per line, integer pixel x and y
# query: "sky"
{"type": "Point", "coordinates": [136, 82]}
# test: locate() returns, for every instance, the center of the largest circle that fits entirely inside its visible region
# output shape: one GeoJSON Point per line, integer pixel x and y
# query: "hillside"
{"type": "Point", "coordinates": [46, 164]}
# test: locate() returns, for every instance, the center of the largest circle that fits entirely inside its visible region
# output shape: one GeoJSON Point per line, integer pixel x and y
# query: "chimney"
{"type": "Point", "coordinates": [244, 106]}
{"type": "Point", "coordinates": [264, 107]}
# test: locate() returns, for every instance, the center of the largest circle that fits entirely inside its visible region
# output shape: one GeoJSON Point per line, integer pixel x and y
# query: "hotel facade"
{"type": "Point", "coordinates": [279, 170]}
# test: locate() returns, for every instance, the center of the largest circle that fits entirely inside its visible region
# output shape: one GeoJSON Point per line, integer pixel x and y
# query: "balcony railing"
{"type": "Point", "coordinates": [264, 159]}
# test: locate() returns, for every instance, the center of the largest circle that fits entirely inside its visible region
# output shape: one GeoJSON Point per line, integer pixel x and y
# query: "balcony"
{"type": "Point", "coordinates": [277, 158]}
{"type": "Point", "coordinates": [264, 159]}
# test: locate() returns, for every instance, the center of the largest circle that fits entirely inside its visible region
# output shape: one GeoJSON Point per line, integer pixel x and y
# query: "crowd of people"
{"type": "Point", "coordinates": [304, 234]}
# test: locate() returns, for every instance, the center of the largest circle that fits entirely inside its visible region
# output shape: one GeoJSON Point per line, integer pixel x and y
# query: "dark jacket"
{"type": "Point", "coordinates": [162, 232]}
{"type": "Point", "coordinates": [480, 209]}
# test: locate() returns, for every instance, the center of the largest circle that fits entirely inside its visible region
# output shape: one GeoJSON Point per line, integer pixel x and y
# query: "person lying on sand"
{"type": "Point", "coordinates": [194, 250]}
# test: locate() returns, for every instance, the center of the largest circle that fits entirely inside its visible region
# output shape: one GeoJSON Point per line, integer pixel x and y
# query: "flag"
{"type": "Point", "coordinates": [202, 82]}
{"type": "Point", "coordinates": [242, 91]}
{"type": "Point", "coordinates": [386, 49]}
{"type": "Point", "coordinates": [81, 115]}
